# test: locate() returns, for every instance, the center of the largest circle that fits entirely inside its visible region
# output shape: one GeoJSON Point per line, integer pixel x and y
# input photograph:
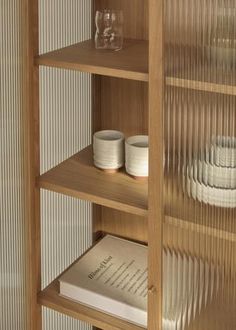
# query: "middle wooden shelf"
{"type": "Point", "coordinates": [77, 177]}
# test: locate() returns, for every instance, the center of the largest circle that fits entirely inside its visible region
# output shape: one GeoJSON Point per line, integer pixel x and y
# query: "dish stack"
{"type": "Point", "coordinates": [213, 180]}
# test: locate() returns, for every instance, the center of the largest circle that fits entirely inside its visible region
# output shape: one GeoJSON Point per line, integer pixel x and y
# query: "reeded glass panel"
{"type": "Point", "coordinates": [199, 263]}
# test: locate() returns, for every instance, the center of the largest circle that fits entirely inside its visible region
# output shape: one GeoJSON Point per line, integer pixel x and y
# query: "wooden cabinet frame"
{"type": "Point", "coordinates": [136, 73]}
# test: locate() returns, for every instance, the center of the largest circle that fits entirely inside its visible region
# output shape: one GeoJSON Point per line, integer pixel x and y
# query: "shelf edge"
{"type": "Point", "coordinates": [201, 86]}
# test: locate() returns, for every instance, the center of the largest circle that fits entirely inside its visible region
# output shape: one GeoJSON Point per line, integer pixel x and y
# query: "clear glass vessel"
{"type": "Point", "coordinates": [109, 33]}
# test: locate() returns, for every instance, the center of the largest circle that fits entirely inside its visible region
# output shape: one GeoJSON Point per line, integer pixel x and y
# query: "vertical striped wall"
{"type": "Point", "coordinates": [65, 116]}
{"type": "Point", "coordinates": [65, 104]}
{"type": "Point", "coordinates": [12, 237]}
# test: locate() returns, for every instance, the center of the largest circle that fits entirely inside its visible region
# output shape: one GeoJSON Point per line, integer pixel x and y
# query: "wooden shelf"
{"type": "Point", "coordinates": [131, 62]}
{"type": "Point", "coordinates": [50, 298]}
{"type": "Point", "coordinates": [190, 68]}
{"type": "Point", "coordinates": [77, 177]}
{"type": "Point", "coordinates": [201, 85]}
{"type": "Point", "coordinates": [184, 212]}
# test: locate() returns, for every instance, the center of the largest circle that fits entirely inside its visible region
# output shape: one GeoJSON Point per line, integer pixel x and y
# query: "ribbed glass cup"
{"type": "Point", "coordinates": [109, 29]}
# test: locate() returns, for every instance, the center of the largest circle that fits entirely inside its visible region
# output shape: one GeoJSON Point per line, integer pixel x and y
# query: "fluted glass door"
{"type": "Point", "coordinates": [199, 256]}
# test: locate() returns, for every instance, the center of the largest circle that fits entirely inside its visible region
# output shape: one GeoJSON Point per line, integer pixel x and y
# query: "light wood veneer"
{"type": "Point", "coordinates": [131, 62]}
{"type": "Point", "coordinates": [77, 177]}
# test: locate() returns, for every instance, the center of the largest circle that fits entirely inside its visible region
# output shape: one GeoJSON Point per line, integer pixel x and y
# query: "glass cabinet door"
{"type": "Point", "coordinates": [199, 232]}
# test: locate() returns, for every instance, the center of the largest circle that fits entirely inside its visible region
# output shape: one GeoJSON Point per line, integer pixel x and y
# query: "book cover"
{"type": "Point", "coordinates": [111, 277]}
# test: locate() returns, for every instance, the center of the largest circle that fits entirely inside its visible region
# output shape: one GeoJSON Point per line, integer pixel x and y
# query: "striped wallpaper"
{"type": "Point", "coordinates": [12, 237]}
{"type": "Point", "coordinates": [65, 116]}
{"type": "Point", "coordinates": [65, 103]}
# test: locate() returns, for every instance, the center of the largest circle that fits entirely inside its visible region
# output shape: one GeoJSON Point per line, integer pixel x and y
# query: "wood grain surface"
{"type": "Point", "coordinates": [78, 177]}
{"type": "Point", "coordinates": [131, 62]}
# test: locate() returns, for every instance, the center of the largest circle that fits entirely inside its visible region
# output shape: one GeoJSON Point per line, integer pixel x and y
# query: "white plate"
{"type": "Point", "coordinates": [223, 151]}
{"type": "Point", "coordinates": [213, 175]}
{"type": "Point", "coordinates": [210, 195]}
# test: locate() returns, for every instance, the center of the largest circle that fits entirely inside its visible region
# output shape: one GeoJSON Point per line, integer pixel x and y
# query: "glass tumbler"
{"type": "Point", "coordinates": [109, 33]}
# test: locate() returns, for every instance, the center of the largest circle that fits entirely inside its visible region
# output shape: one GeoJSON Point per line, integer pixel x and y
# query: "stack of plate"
{"type": "Point", "coordinates": [213, 180]}
{"type": "Point", "coordinates": [108, 150]}
{"type": "Point", "coordinates": [136, 156]}
{"type": "Point", "coordinates": [223, 152]}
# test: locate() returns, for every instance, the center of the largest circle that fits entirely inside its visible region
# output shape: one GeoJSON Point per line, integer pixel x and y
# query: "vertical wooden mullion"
{"type": "Point", "coordinates": [155, 198]}
{"type": "Point", "coordinates": [31, 163]}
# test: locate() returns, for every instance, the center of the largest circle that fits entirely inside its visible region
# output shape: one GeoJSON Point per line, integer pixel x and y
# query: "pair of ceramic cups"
{"type": "Point", "coordinates": [111, 152]}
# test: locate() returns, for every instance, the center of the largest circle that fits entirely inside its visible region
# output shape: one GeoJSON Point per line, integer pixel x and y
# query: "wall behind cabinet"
{"type": "Point", "coordinates": [65, 116]}
{"type": "Point", "coordinates": [65, 103]}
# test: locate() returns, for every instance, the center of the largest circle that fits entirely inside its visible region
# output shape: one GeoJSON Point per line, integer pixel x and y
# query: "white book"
{"type": "Point", "coordinates": [111, 277]}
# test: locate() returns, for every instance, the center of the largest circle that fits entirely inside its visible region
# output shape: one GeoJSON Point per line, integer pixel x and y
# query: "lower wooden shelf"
{"type": "Point", "coordinates": [50, 298]}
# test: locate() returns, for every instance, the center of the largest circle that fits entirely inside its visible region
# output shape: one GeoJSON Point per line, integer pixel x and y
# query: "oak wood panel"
{"type": "Point", "coordinates": [135, 16]}
{"type": "Point", "coordinates": [156, 147]}
{"type": "Point", "coordinates": [122, 224]}
{"type": "Point", "coordinates": [124, 106]}
{"type": "Point", "coordinates": [31, 161]}
{"type": "Point", "coordinates": [131, 62]}
{"type": "Point", "coordinates": [78, 177]}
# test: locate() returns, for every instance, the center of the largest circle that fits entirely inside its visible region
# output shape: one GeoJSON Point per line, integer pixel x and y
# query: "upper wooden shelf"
{"type": "Point", "coordinates": [51, 298]}
{"type": "Point", "coordinates": [77, 177]}
{"type": "Point", "coordinates": [131, 62]}
{"type": "Point", "coordinates": [189, 69]}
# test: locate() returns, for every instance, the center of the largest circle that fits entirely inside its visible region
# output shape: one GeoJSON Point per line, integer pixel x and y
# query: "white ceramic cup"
{"type": "Point", "coordinates": [136, 156]}
{"type": "Point", "coordinates": [108, 150]}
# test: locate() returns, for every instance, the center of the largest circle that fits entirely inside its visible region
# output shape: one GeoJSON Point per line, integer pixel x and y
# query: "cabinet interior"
{"type": "Point", "coordinates": [122, 104]}
{"type": "Point", "coordinates": [193, 97]}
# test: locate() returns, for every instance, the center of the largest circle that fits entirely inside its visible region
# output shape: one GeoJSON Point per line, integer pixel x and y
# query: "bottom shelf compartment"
{"type": "Point", "coordinates": [51, 298]}
{"type": "Point", "coordinates": [106, 286]}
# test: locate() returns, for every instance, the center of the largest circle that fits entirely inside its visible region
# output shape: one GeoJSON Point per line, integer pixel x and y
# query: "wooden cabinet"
{"type": "Point", "coordinates": [134, 91]}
